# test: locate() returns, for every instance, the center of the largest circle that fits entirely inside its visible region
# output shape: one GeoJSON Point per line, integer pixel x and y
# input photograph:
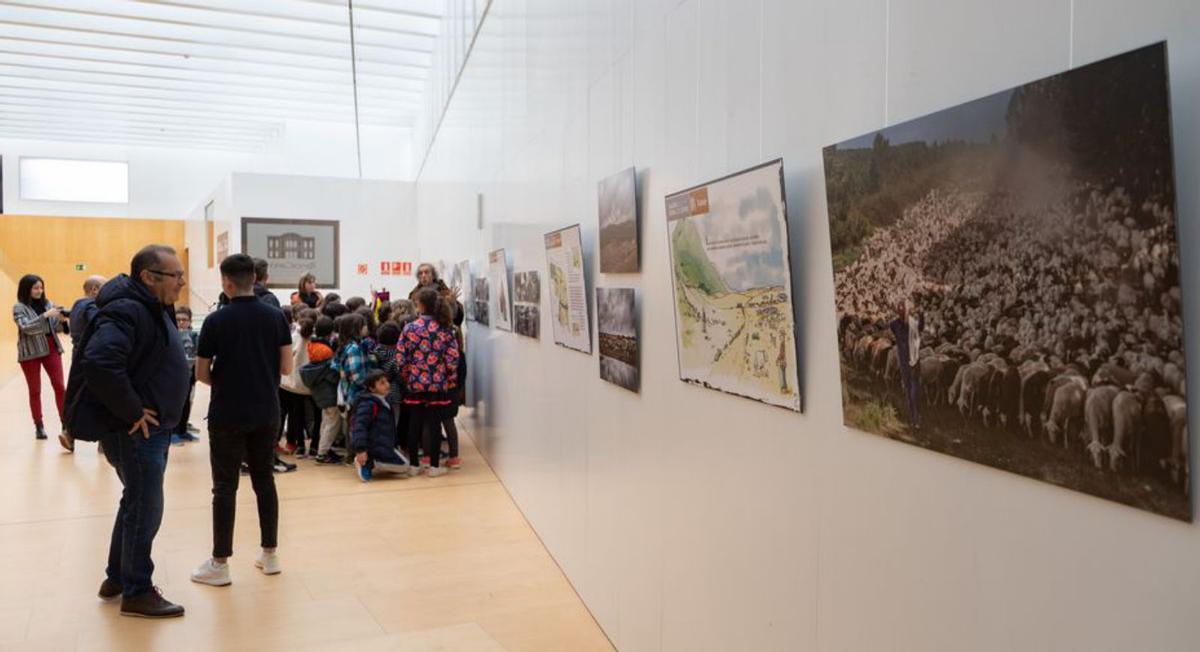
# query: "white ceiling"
{"type": "Point", "coordinates": [223, 74]}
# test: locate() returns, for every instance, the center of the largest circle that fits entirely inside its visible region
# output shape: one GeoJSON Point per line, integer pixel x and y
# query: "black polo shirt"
{"type": "Point", "coordinates": [243, 341]}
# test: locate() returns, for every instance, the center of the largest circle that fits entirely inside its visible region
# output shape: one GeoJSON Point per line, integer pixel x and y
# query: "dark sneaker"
{"type": "Point", "coordinates": [193, 429]}
{"type": "Point", "coordinates": [283, 467]}
{"type": "Point", "coordinates": [150, 604]}
{"type": "Point", "coordinates": [329, 457]}
{"type": "Point", "coordinates": [40, 433]}
{"type": "Point", "coordinates": [110, 590]}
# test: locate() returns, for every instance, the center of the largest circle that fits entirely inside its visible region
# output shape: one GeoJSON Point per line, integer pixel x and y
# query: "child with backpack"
{"type": "Point", "coordinates": [322, 379]}
{"type": "Point", "coordinates": [373, 434]}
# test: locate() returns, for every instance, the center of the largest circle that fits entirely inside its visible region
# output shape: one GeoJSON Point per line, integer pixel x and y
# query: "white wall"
{"type": "Point", "coordinates": [166, 183]}
{"type": "Point", "coordinates": [376, 219]}
{"type": "Point", "coordinates": [692, 520]}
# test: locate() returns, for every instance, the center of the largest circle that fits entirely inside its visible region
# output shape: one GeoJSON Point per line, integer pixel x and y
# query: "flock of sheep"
{"type": "Point", "coordinates": [1058, 319]}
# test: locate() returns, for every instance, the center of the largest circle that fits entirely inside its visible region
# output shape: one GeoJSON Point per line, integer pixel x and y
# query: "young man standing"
{"type": "Point", "coordinates": [243, 349]}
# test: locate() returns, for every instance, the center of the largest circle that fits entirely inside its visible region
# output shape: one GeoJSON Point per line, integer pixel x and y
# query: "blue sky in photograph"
{"type": "Point", "coordinates": [974, 121]}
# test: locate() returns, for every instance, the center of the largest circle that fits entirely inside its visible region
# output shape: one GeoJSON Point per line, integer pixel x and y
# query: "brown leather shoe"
{"type": "Point", "coordinates": [110, 590]}
{"type": "Point", "coordinates": [150, 604]}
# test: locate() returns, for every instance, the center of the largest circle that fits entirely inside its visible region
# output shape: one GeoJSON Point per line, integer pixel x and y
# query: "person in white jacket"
{"type": "Point", "coordinates": [294, 395]}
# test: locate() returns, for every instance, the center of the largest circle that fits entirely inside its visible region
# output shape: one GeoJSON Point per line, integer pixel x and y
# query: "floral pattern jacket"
{"type": "Point", "coordinates": [427, 356]}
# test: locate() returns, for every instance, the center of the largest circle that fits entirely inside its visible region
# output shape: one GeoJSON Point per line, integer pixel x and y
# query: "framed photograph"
{"type": "Point", "coordinates": [616, 315]}
{"type": "Point", "coordinates": [527, 301]}
{"type": "Point", "coordinates": [619, 223]}
{"type": "Point", "coordinates": [294, 248]}
{"type": "Point", "coordinates": [1007, 282]}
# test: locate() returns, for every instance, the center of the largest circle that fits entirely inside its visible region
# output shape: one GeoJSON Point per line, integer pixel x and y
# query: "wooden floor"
{"type": "Point", "coordinates": [423, 564]}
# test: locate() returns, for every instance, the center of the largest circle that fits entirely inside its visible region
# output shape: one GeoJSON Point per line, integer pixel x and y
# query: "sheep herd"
{"type": "Point", "coordinates": [1058, 318]}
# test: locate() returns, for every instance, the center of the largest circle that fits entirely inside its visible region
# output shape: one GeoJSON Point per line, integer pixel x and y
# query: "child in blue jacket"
{"type": "Point", "coordinates": [373, 432]}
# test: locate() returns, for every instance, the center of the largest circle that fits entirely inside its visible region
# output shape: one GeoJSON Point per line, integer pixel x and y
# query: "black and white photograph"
{"type": "Point", "coordinates": [620, 362]}
{"type": "Point", "coordinates": [1008, 287]}
{"type": "Point", "coordinates": [527, 288]}
{"type": "Point", "coordinates": [619, 223]}
{"type": "Point", "coordinates": [479, 294]}
{"type": "Point", "coordinates": [294, 248]}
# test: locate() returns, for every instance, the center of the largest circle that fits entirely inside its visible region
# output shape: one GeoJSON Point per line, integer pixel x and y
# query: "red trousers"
{"type": "Point", "coordinates": [33, 380]}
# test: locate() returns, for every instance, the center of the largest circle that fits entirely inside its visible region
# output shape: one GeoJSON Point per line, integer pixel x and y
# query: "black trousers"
{"type": "Point", "coordinates": [426, 412]}
{"type": "Point", "coordinates": [451, 431]}
{"type": "Point", "coordinates": [187, 407]}
{"type": "Point", "coordinates": [291, 410]}
{"type": "Point", "coordinates": [228, 446]}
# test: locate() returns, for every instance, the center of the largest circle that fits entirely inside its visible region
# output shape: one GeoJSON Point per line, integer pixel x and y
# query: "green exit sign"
{"type": "Point", "coordinates": [79, 267]}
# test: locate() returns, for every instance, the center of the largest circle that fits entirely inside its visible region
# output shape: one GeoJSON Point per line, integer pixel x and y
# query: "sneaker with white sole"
{"type": "Point", "coordinates": [268, 563]}
{"type": "Point", "coordinates": [362, 471]}
{"type": "Point", "coordinates": [435, 471]}
{"type": "Point", "coordinates": [212, 573]}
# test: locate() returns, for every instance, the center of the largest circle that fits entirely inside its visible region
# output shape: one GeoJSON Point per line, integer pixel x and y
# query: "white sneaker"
{"type": "Point", "coordinates": [268, 563]}
{"type": "Point", "coordinates": [414, 470]}
{"type": "Point", "coordinates": [435, 471]}
{"type": "Point", "coordinates": [212, 573]}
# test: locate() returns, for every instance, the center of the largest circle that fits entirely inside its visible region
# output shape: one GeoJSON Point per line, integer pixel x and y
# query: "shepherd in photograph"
{"type": "Point", "coordinates": [907, 331]}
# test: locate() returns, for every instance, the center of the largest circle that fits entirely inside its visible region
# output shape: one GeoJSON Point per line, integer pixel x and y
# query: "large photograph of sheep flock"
{"type": "Point", "coordinates": [1007, 283]}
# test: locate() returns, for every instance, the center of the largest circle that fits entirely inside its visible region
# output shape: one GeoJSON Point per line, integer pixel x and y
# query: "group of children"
{"type": "Point", "coordinates": [383, 382]}
{"type": "Point", "coordinates": [384, 379]}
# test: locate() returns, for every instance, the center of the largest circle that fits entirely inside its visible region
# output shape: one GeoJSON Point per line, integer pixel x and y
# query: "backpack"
{"type": "Point", "coordinates": [74, 422]}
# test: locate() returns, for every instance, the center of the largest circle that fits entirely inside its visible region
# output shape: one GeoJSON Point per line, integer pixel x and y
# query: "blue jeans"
{"type": "Point", "coordinates": [140, 464]}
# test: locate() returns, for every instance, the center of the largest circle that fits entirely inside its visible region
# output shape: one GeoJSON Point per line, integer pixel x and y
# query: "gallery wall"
{"type": "Point", "coordinates": [376, 223]}
{"type": "Point", "coordinates": [693, 520]}
{"type": "Point", "coordinates": [166, 182]}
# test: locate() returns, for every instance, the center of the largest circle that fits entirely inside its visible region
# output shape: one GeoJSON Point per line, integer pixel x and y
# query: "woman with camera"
{"type": "Point", "coordinates": [38, 323]}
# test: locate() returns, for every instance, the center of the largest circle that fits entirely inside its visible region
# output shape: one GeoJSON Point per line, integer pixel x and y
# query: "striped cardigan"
{"type": "Point", "coordinates": [32, 330]}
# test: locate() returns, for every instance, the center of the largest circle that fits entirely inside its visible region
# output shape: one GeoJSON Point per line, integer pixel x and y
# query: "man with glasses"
{"type": "Point", "coordinates": [128, 386]}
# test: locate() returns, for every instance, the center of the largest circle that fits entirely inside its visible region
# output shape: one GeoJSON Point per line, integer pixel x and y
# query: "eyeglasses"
{"type": "Point", "coordinates": [178, 276]}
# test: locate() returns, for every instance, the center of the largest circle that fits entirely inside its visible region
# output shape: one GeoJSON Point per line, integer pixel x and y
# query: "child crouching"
{"type": "Point", "coordinates": [373, 431]}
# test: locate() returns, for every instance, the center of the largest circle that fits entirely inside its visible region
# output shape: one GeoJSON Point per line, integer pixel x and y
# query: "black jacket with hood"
{"type": "Point", "coordinates": [131, 358]}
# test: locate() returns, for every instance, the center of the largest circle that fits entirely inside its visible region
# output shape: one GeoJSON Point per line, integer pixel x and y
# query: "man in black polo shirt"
{"type": "Point", "coordinates": [243, 349]}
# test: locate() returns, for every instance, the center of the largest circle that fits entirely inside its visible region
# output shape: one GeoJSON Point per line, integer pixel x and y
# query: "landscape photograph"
{"type": "Point", "coordinates": [1007, 283]}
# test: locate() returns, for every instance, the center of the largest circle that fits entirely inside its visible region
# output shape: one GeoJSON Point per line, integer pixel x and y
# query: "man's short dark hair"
{"type": "Point", "coordinates": [260, 270]}
{"type": "Point", "coordinates": [148, 257]}
{"type": "Point", "coordinates": [239, 268]}
{"type": "Point", "coordinates": [183, 310]}
{"type": "Point", "coordinates": [374, 376]}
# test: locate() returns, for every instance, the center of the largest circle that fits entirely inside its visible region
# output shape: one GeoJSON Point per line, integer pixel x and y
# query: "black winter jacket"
{"type": "Point", "coordinates": [322, 379]}
{"type": "Point", "coordinates": [131, 358]}
{"type": "Point", "coordinates": [373, 429]}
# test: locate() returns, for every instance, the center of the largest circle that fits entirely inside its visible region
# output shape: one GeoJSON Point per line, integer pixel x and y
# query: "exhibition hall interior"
{"type": "Point", "coordinates": [639, 325]}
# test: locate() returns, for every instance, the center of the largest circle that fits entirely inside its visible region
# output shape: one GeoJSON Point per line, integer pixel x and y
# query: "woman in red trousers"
{"type": "Point", "coordinates": [38, 347]}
